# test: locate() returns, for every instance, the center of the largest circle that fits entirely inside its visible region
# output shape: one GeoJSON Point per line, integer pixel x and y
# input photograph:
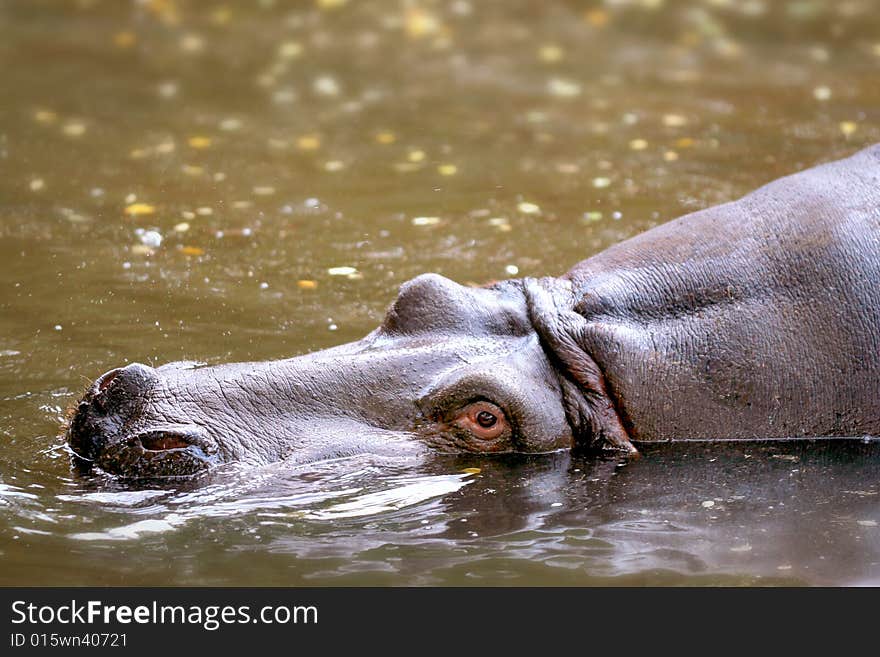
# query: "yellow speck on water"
{"type": "Point", "coordinates": [416, 156]}
{"type": "Point", "coordinates": [204, 211]}
{"type": "Point", "coordinates": [596, 17]}
{"type": "Point", "coordinates": [306, 284]}
{"type": "Point", "coordinates": [550, 53]}
{"type": "Point", "coordinates": [848, 127]}
{"type": "Point", "coordinates": [140, 209]}
{"type": "Point", "coordinates": [192, 250]}
{"type": "Point", "coordinates": [192, 170]}
{"type": "Point", "coordinates": [141, 249]}
{"type": "Point", "coordinates": [264, 190]}
{"type": "Point", "coordinates": [308, 142]}
{"type": "Point", "coordinates": [192, 43]}
{"type": "Point", "coordinates": [528, 208]}
{"type": "Point", "coordinates": [421, 23]}
{"type": "Point", "coordinates": [822, 93]}
{"type": "Point", "coordinates": [330, 4]}
{"type": "Point", "coordinates": [425, 221]}
{"type": "Point", "coordinates": [37, 184]}
{"type": "Point", "coordinates": [386, 138]}
{"type": "Point", "coordinates": [199, 142]}
{"type": "Point", "coordinates": [684, 142]}
{"type": "Point", "coordinates": [290, 49]}
{"type": "Point", "coordinates": [186, 214]}
{"type": "Point", "coordinates": [221, 15]}
{"type": "Point", "coordinates": [124, 39]}
{"type": "Point", "coordinates": [674, 120]}
{"type": "Point", "coordinates": [638, 144]}
{"type": "Point", "coordinates": [471, 470]}
{"type": "Point", "coordinates": [601, 182]}
{"type": "Point", "coordinates": [447, 169]}
{"type": "Point", "coordinates": [45, 116]}
{"type": "Point", "coordinates": [334, 165]}
{"type": "Point", "coordinates": [166, 147]}
{"type": "Point", "coordinates": [670, 156]}
{"type": "Point", "coordinates": [74, 129]}
{"type": "Point", "coordinates": [182, 227]}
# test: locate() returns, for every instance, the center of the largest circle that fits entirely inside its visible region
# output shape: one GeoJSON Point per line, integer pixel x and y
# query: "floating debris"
{"type": "Point", "coordinates": [708, 504]}
{"type": "Point", "coordinates": [230, 125]}
{"type": "Point", "coordinates": [37, 185]}
{"type": "Point", "coordinates": [674, 120]}
{"type": "Point", "coordinates": [45, 116]}
{"type": "Point", "coordinates": [305, 284]}
{"type": "Point", "coordinates": [74, 129]}
{"type": "Point", "coordinates": [264, 190]}
{"type": "Point", "coordinates": [416, 156]}
{"type": "Point", "coordinates": [139, 209]}
{"type": "Point", "coordinates": [204, 211]}
{"type": "Point", "coordinates": [563, 88]}
{"type": "Point", "coordinates": [512, 270]}
{"type": "Point", "coordinates": [528, 208]}
{"type": "Point", "coordinates": [192, 43]}
{"type": "Point", "coordinates": [638, 144]}
{"type": "Point", "coordinates": [848, 128]}
{"type": "Point", "coordinates": [308, 142]}
{"type": "Point", "coordinates": [151, 238]}
{"type": "Point", "coordinates": [182, 227]}
{"type": "Point", "coordinates": [342, 271]}
{"type": "Point", "coordinates": [420, 23]}
{"type": "Point", "coordinates": [425, 221]}
{"type": "Point", "coordinates": [290, 50]}
{"type": "Point", "coordinates": [822, 93]}
{"type": "Point", "coordinates": [550, 53]}
{"type": "Point", "coordinates": [124, 40]}
{"type": "Point", "coordinates": [334, 165]}
{"type": "Point", "coordinates": [386, 138]}
{"type": "Point", "coordinates": [447, 169]}
{"type": "Point", "coordinates": [192, 250]}
{"type": "Point", "coordinates": [601, 182]}
{"type": "Point", "coordinates": [141, 249]}
{"type": "Point", "coordinates": [867, 523]}
{"type": "Point", "coordinates": [199, 142]}
{"type": "Point", "coordinates": [670, 156]}
{"type": "Point", "coordinates": [326, 85]}
{"type": "Point", "coordinates": [591, 216]}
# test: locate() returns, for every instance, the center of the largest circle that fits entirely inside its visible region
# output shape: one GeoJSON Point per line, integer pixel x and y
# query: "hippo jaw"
{"type": "Point", "coordinates": [451, 369]}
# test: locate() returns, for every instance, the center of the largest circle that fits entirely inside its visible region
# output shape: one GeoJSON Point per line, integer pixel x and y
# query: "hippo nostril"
{"type": "Point", "coordinates": [105, 381]}
{"type": "Point", "coordinates": [161, 440]}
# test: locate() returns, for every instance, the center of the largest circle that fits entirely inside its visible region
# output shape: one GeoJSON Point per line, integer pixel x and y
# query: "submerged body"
{"type": "Point", "coordinates": [759, 318]}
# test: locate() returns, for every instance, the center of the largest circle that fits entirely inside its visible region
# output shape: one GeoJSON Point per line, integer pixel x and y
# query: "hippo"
{"type": "Point", "coordinates": [755, 319]}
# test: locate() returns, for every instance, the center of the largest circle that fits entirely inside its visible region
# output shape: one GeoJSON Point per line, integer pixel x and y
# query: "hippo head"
{"type": "Point", "coordinates": [451, 368]}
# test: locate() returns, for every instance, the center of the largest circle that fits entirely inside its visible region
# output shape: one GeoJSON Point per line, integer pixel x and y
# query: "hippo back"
{"type": "Point", "coordinates": [754, 319]}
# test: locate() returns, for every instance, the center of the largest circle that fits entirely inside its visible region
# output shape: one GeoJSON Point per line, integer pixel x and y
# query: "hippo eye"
{"type": "Point", "coordinates": [483, 420]}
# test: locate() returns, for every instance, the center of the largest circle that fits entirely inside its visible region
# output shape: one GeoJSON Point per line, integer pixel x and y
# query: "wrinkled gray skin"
{"type": "Point", "coordinates": [755, 319]}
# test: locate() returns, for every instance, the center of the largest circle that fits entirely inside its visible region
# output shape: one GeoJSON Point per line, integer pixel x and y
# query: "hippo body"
{"type": "Point", "coordinates": [755, 319]}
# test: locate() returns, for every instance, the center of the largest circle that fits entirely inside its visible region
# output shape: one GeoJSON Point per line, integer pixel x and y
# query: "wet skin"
{"type": "Point", "coordinates": [759, 318]}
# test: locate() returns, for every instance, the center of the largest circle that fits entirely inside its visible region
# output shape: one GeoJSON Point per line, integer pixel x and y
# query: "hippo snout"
{"type": "Point", "coordinates": [109, 430]}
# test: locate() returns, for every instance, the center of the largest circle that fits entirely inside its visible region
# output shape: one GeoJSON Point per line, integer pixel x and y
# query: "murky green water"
{"type": "Point", "coordinates": [177, 178]}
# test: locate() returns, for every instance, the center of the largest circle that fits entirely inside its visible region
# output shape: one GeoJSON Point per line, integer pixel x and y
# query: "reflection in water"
{"type": "Point", "coordinates": [774, 512]}
{"type": "Point", "coordinates": [234, 181]}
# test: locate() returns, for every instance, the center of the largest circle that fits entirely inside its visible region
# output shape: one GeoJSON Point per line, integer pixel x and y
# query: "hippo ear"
{"type": "Point", "coordinates": [588, 405]}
